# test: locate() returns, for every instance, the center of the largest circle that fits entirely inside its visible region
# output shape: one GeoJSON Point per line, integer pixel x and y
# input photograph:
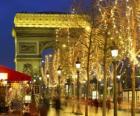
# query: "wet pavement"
{"type": "Point", "coordinates": [70, 110]}
{"type": "Point", "coordinates": [67, 111]}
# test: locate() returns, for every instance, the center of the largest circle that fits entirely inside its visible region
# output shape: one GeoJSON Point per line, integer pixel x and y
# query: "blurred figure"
{"type": "Point", "coordinates": [26, 110]}
{"type": "Point", "coordinates": [33, 107]}
{"type": "Point", "coordinates": [44, 107]}
{"type": "Point", "coordinates": [66, 101]}
{"type": "Point", "coordinates": [57, 105]}
{"type": "Point", "coordinates": [100, 102]}
{"type": "Point", "coordinates": [108, 104]}
{"type": "Point", "coordinates": [96, 104]}
{"type": "Point", "coordinates": [119, 101]}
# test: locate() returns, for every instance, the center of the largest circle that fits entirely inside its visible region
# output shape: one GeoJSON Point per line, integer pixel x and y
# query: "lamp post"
{"type": "Point", "coordinates": [73, 93]}
{"type": "Point", "coordinates": [114, 53]}
{"type": "Point", "coordinates": [48, 76]}
{"type": "Point", "coordinates": [78, 110]}
{"type": "Point", "coordinates": [119, 86]}
{"type": "Point", "coordinates": [119, 92]}
{"type": "Point", "coordinates": [59, 70]}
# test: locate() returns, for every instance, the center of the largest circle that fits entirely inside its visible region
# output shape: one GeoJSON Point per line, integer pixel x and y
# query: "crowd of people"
{"type": "Point", "coordinates": [99, 103]}
{"type": "Point", "coordinates": [57, 105]}
{"type": "Point", "coordinates": [42, 109]}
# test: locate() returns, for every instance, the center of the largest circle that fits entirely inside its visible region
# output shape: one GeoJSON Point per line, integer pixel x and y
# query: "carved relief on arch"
{"type": "Point", "coordinates": [27, 48]}
{"type": "Point", "coordinates": [28, 69]}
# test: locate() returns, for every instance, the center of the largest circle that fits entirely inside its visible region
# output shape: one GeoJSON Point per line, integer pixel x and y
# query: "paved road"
{"type": "Point", "coordinates": [67, 111]}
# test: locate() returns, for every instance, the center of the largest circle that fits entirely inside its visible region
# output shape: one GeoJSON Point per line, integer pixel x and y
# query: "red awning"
{"type": "Point", "coordinates": [14, 75]}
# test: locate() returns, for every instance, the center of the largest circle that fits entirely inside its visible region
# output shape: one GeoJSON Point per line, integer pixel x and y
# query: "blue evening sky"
{"type": "Point", "coordinates": [8, 9]}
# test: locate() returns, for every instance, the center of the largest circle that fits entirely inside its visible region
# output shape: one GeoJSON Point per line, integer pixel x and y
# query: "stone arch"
{"type": "Point", "coordinates": [36, 32]}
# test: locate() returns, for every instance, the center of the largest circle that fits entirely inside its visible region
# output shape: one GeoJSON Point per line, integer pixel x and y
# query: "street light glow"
{"type": "Point", "coordinates": [88, 29]}
{"type": "Point", "coordinates": [78, 64]}
{"type": "Point", "coordinates": [59, 70]}
{"type": "Point", "coordinates": [48, 75]}
{"type": "Point", "coordinates": [64, 45]}
{"type": "Point", "coordinates": [114, 53]}
{"type": "Point", "coordinates": [118, 76]}
{"type": "Point", "coordinates": [40, 78]}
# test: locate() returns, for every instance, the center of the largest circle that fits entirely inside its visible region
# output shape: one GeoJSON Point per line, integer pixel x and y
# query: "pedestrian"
{"type": "Point", "coordinates": [57, 105]}
{"type": "Point", "coordinates": [100, 102]}
{"type": "Point", "coordinates": [96, 104]}
{"type": "Point", "coordinates": [119, 101]}
{"type": "Point", "coordinates": [26, 110]}
{"type": "Point", "coordinates": [108, 104]}
{"type": "Point", "coordinates": [44, 107]}
{"type": "Point", "coordinates": [33, 107]}
{"type": "Point", "coordinates": [66, 101]}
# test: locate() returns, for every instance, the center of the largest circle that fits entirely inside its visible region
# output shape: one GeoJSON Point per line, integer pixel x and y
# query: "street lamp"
{"type": "Point", "coordinates": [119, 90]}
{"type": "Point", "coordinates": [118, 77]}
{"type": "Point", "coordinates": [73, 92]}
{"type": "Point", "coordinates": [78, 110]}
{"type": "Point", "coordinates": [47, 75]}
{"type": "Point", "coordinates": [59, 71]}
{"type": "Point", "coordinates": [114, 53]}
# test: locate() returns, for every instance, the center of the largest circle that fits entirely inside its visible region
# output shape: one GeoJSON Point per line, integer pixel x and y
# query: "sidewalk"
{"type": "Point", "coordinates": [70, 110]}
{"type": "Point", "coordinates": [67, 111]}
{"type": "Point", "coordinates": [125, 106]}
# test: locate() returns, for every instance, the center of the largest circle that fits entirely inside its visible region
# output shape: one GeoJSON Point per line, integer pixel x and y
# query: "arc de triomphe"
{"type": "Point", "coordinates": [34, 32]}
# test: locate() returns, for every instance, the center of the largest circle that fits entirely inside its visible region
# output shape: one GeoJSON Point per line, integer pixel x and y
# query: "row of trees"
{"type": "Point", "coordinates": [110, 22]}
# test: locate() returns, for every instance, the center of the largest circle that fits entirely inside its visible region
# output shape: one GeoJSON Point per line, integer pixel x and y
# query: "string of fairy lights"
{"type": "Point", "coordinates": [115, 19]}
{"type": "Point", "coordinates": [130, 14]}
{"type": "Point", "coordinates": [120, 32]}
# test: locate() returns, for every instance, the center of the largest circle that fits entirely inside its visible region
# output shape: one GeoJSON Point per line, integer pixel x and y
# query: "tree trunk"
{"type": "Point", "coordinates": [115, 89]}
{"type": "Point", "coordinates": [133, 91]}
{"type": "Point", "coordinates": [88, 64]}
{"type": "Point", "coordinates": [134, 32]}
{"type": "Point", "coordinates": [105, 81]}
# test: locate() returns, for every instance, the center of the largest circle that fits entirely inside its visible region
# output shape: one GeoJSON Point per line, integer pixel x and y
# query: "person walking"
{"type": "Point", "coordinates": [96, 104]}
{"type": "Point", "coordinates": [108, 104]}
{"type": "Point", "coordinates": [26, 110]}
{"type": "Point", "coordinates": [57, 105]}
{"type": "Point", "coordinates": [119, 102]}
{"type": "Point", "coordinates": [44, 107]}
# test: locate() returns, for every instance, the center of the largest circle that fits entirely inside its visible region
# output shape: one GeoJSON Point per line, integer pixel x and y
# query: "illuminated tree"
{"type": "Point", "coordinates": [108, 25]}
{"type": "Point", "coordinates": [109, 22]}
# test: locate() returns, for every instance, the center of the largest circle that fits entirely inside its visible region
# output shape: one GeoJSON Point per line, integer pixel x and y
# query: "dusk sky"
{"type": "Point", "coordinates": [8, 9]}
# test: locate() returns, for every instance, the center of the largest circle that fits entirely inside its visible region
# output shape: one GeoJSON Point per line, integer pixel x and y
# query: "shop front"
{"type": "Point", "coordinates": [14, 86]}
